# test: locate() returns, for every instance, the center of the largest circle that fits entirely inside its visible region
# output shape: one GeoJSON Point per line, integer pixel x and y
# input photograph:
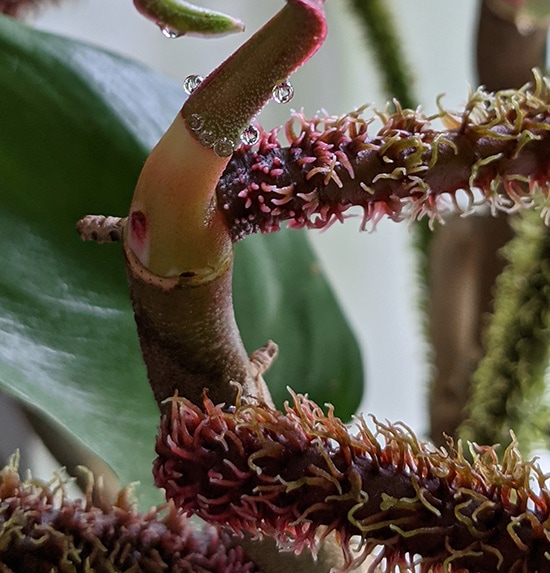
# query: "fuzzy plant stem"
{"type": "Point", "coordinates": [43, 530]}
{"type": "Point", "coordinates": [510, 377]}
{"type": "Point", "coordinates": [405, 169]}
{"type": "Point", "coordinates": [300, 475]}
{"type": "Point", "coordinates": [465, 257]}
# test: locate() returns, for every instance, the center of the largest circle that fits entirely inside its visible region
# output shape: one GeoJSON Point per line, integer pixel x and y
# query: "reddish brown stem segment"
{"type": "Point", "coordinates": [300, 475]}
{"type": "Point", "coordinates": [41, 529]}
{"type": "Point", "coordinates": [407, 169]}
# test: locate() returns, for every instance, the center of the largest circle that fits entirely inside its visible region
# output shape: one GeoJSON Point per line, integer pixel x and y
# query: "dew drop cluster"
{"type": "Point", "coordinates": [281, 93]}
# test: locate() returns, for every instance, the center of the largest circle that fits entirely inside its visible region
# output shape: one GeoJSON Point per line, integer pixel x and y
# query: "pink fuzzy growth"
{"type": "Point", "coordinates": [300, 475]}
{"type": "Point", "coordinates": [407, 169]}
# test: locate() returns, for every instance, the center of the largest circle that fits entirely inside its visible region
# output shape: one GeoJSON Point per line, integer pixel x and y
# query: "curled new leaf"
{"type": "Point", "coordinates": [300, 475]}
{"type": "Point", "coordinates": [177, 17]}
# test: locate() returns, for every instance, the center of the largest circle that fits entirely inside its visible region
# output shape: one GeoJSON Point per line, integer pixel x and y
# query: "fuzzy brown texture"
{"type": "Point", "coordinates": [19, 8]}
{"type": "Point", "coordinates": [189, 338]}
{"type": "Point", "coordinates": [406, 169]}
{"type": "Point", "coordinates": [42, 531]}
{"type": "Point", "coordinates": [299, 475]}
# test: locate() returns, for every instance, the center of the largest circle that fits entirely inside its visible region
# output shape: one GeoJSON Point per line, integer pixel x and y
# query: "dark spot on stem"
{"type": "Point", "coordinates": [138, 225]}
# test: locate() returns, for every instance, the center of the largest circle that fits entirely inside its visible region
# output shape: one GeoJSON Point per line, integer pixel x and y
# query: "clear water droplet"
{"type": "Point", "coordinates": [206, 138]}
{"type": "Point", "coordinates": [224, 147]}
{"type": "Point", "coordinates": [250, 135]}
{"type": "Point", "coordinates": [191, 83]}
{"type": "Point", "coordinates": [168, 32]}
{"type": "Point", "coordinates": [283, 92]}
{"type": "Point", "coordinates": [195, 122]}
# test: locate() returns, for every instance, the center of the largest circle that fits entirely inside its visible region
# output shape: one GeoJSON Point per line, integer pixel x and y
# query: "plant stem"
{"type": "Point", "coordinates": [300, 475]}
{"type": "Point", "coordinates": [189, 339]}
{"type": "Point", "coordinates": [510, 377]}
{"type": "Point", "coordinates": [405, 170]}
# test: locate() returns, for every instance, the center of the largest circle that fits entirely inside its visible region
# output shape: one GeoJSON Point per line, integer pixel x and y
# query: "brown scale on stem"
{"type": "Point", "coordinates": [300, 475]}
{"type": "Point", "coordinates": [407, 169]}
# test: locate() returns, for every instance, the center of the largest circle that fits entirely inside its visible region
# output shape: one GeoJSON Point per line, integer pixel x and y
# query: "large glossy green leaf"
{"type": "Point", "coordinates": [76, 124]}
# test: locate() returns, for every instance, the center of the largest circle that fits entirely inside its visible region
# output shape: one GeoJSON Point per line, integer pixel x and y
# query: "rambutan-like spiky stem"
{"type": "Point", "coordinates": [407, 168]}
{"type": "Point", "coordinates": [41, 529]}
{"type": "Point", "coordinates": [300, 475]}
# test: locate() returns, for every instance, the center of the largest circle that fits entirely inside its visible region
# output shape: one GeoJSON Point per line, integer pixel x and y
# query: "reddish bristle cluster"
{"type": "Point", "coordinates": [301, 475]}
{"type": "Point", "coordinates": [43, 531]}
{"type": "Point", "coordinates": [408, 169]}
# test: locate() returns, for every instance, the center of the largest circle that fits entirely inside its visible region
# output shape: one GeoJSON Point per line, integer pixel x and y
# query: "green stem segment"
{"type": "Point", "coordinates": [510, 377]}
{"type": "Point", "coordinates": [228, 98]}
{"type": "Point", "coordinates": [178, 247]}
{"type": "Point", "coordinates": [189, 338]}
{"type": "Point", "coordinates": [376, 19]}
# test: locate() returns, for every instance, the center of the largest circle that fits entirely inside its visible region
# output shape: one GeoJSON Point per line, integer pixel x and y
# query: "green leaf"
{"type": "Point", "coordinates": [280, 293]}
{"type": "Point", "coordinates": [76, 124]}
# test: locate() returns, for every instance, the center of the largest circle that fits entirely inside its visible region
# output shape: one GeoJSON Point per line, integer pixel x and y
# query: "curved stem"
{"type": "Point", "coordinates": [178, 248]}
{"type": "Point", "coordinates": [189, 339]}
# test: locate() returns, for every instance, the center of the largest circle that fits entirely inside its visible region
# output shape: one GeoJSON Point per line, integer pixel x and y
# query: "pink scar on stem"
{"type": "Point", "coordinates": [138, 227]}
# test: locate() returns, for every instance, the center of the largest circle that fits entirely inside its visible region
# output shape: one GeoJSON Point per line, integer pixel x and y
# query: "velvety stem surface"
{"type": "Point", "coordinates": [297, 476]}
{"type": "Point", "coordinates": [509, 384]}
{"type": "Point", "coordinates": [231, 95]}
{"type": "Point", "coordinates": [377, 21]}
